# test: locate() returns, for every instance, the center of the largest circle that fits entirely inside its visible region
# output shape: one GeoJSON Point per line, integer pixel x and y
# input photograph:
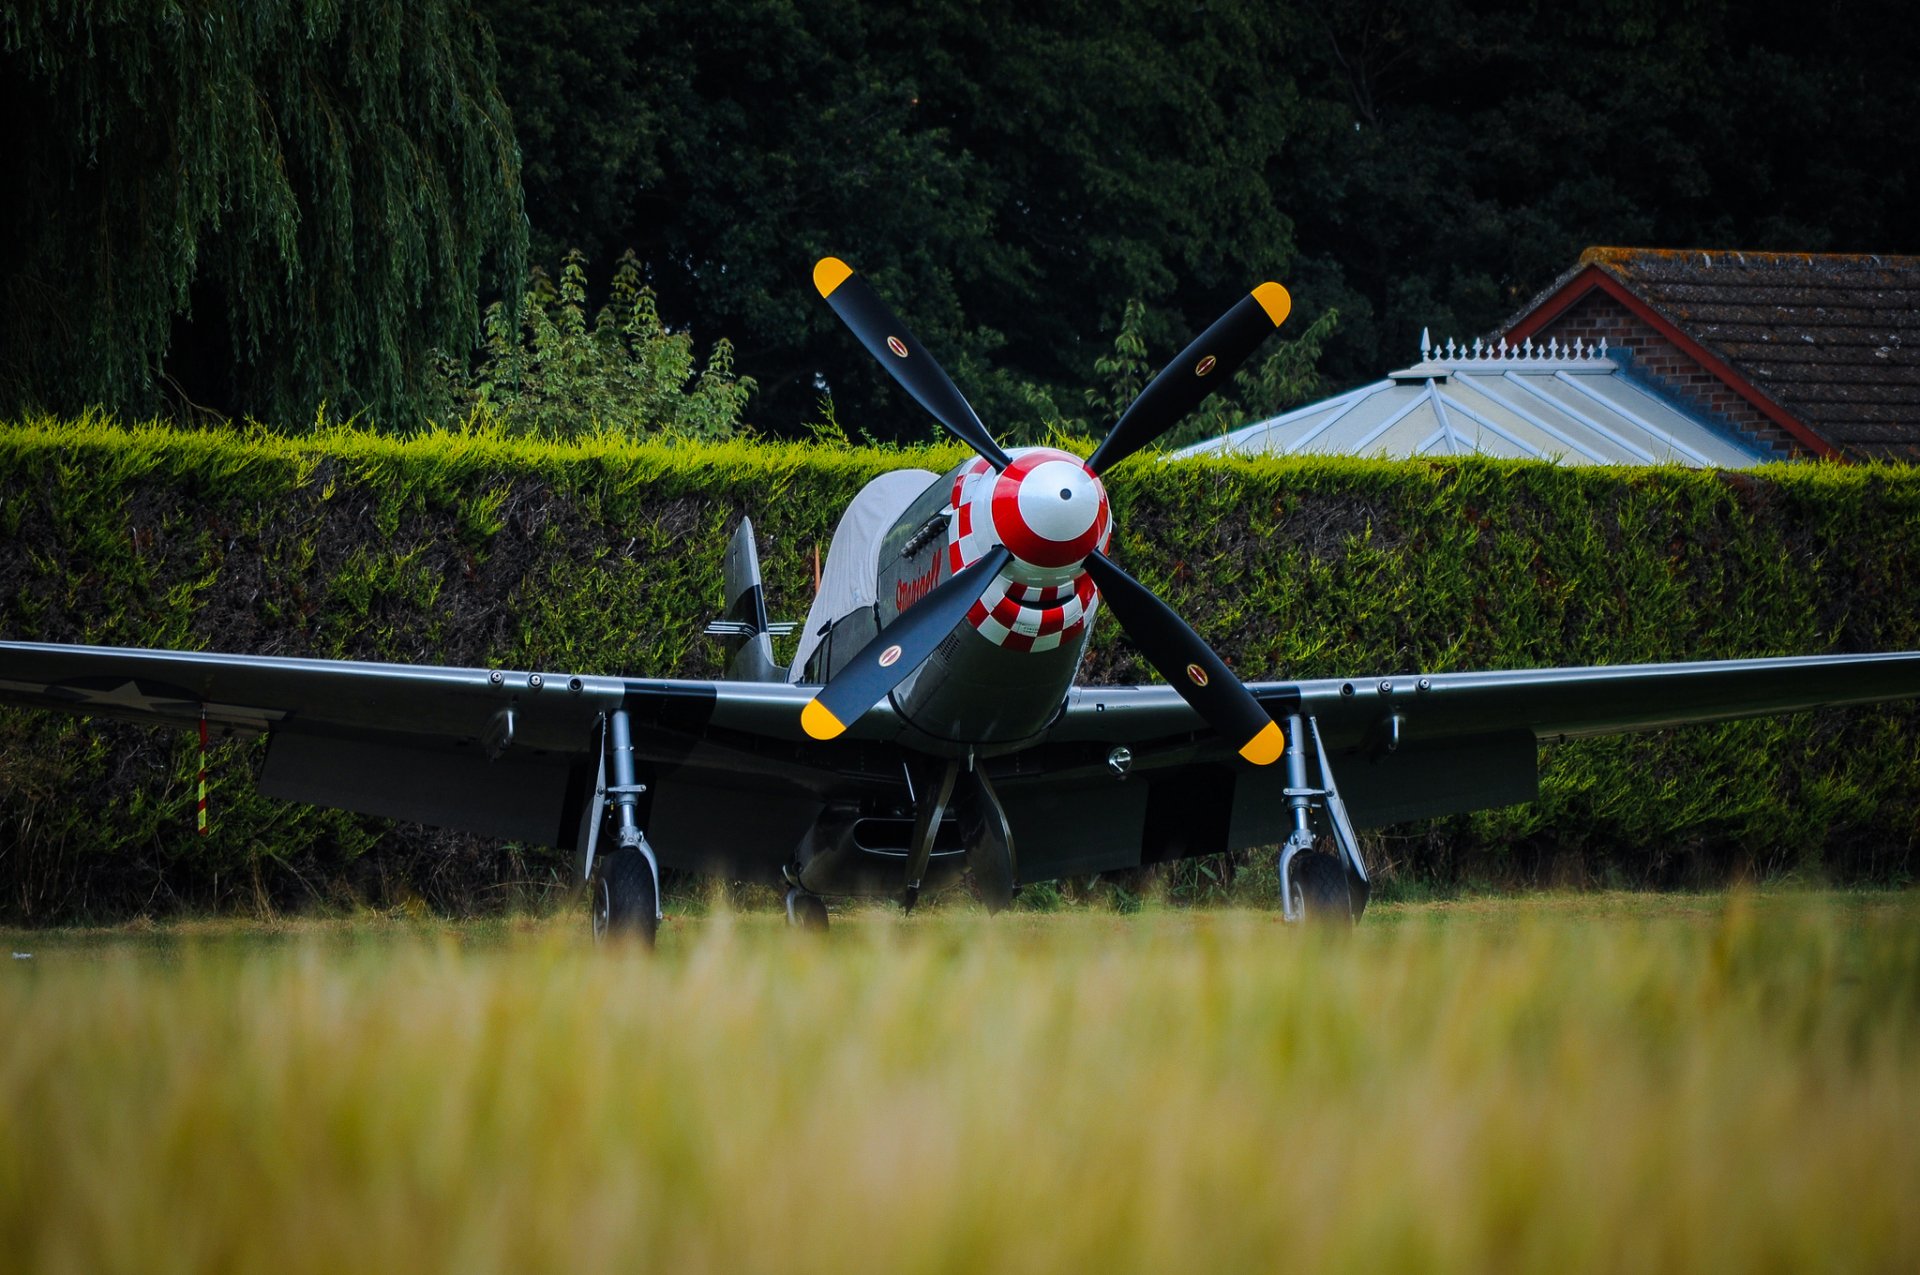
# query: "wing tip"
{"type": "Point", "coordinates": [1266, 746]}
{"type": "Point", "coordinates": [829, 273]}
{"type": "Point", "coordinates": [1275, 300]}
{"type": "Point", "coordinates": [819, 722]}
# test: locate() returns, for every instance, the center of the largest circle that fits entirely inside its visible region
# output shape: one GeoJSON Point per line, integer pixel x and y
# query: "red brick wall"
{"type": "Point", "coordinates": [1660, 361]}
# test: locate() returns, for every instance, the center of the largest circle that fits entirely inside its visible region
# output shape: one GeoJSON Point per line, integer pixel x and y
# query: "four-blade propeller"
{"type": "Point", "coordinates": [1169, 643]}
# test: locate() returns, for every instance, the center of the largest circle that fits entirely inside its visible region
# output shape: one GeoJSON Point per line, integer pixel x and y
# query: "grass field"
{"type": "Point", "coordinates": [1601, 1082]}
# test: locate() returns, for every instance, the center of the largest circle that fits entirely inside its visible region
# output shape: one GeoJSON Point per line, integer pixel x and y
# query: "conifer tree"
{"type": "Point", "coordinates": [248, 206]}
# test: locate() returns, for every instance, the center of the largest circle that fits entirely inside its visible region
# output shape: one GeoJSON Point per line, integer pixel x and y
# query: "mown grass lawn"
{"type": "Point", "coordinates": [1606, 1082]}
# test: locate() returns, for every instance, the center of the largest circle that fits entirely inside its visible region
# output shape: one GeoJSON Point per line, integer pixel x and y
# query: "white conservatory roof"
{"type": "Point", "coordinates": [1570, 404]}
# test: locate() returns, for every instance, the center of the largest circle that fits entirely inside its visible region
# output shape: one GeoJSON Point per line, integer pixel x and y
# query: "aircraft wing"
{"type": "Point", "coordinates": [1567, 703]}
{"type": "Point", "coordinates": [242, 695]}
{"type": "Point", "coordinates": [1408, 746]}
{"type": "Point", "coordinates": [505, 753]}
{"type": "Point", "coordinates": [1553, 703]}
{"type": "Point", "coordinates": [516, 754]}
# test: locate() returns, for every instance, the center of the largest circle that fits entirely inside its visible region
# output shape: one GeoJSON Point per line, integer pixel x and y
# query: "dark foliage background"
{"type": "Point", "coordinates": [482, 550]}
{"type": "Point", "coordinates": [1012, 174]}
{"type": "Point", "coordinates": [248, 207]}
{"type": "Point", "coordinates": [218, 208]}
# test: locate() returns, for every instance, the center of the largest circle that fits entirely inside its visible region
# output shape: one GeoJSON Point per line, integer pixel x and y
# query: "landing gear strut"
{"type": "Point", "coordinates": [989, 840]}
{"type": "Point", "coordinates": [1316, 886]}
{"type": "Point", "coordinates": [626, 884]}
{"type": "Point", "coordinates": [964, 789]}
{"type": "Point", "coordinates": [928, 810]}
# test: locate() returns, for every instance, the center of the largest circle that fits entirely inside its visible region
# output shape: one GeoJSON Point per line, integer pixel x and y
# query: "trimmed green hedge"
{"type": "Point", "coordinates": [605, 557]}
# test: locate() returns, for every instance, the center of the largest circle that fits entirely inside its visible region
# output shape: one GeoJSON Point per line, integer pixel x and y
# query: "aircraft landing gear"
{"type": "Point", "coordinates": [1318, 883]}
{"type": "Point", "coordinates": [625, 885]}
{"type": "Point", "coordinates": [928, 810]}
{"type": "Point", "coordinates": [1315, 886]}
{"type": "Point", "coordinates": [625, 902]}
{"type": "Point", "coordinates": [989, 841]}
{"type": "Point", "coordinates": [805, 910]}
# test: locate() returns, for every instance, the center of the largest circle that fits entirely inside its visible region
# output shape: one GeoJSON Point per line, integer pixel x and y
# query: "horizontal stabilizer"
{"type": "Point", "coordinates": [743, 629]}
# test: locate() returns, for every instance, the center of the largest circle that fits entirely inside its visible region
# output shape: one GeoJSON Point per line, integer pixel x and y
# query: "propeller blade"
{"type": "Point", "coordinates": [1206, 365]}
{"type": "Point", "coordinates": [898, 649]}
{"type": "Point", "coordinates": [1188, 664]}
{"type": "Point", "coordinates": [905, 359]}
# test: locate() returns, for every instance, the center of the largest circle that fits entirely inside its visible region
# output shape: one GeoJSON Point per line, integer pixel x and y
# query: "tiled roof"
{"type": "Point", "coordinates": [1573, 406]}
{"type": "Point", "coordinates": [1832, 338]}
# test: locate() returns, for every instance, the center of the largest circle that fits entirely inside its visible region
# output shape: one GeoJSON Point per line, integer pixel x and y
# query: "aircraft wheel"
{"type": "Point", "coordinates": [624, 903]}
{"type": "Point", "coordinates": [1320, 889]}
{"type": "Point", "coordinates": [805, 910]}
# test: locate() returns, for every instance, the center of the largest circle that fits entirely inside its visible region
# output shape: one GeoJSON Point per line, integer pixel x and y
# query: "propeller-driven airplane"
{"type": "Point", "coordinates": [929, 724]}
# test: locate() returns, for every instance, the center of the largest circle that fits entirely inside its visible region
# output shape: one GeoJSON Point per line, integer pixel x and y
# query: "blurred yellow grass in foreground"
{"type": "Point", "coordinates": [1612, 1082]}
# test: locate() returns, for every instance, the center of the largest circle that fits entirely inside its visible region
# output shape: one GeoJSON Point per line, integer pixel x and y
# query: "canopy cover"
{"type": "Point", "coordinates": [850, 578]}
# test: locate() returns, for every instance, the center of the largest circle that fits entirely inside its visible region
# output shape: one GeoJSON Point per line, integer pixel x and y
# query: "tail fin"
{"type": "Point", "coordinates": [743, 629]}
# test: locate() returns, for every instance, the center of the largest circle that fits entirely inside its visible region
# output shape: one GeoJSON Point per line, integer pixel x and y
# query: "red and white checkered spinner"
{"type": "Point", "coordinates": [1050, 511]}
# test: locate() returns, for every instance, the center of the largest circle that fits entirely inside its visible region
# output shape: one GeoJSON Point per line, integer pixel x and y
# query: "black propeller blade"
{"type": "Point", "coordinates": [905, 359]}
{"type": "Point", "coordinates": [1188, 664]}
{"type": "Point", "coordinates": [898, 649]}
{"type": "Point", "coordinates": [1204, 366]}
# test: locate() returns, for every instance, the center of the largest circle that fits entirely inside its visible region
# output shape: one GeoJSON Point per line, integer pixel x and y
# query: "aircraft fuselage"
{"type": "Point", "coordinates": [1001, 677]}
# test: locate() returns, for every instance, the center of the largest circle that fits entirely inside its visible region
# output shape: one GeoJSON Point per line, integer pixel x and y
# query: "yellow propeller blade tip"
{"type": "Point", "coordinates": [819, 723]}
{"type": "Point", "coordinates": [830, 272]}
{"type": "Point", "coordinates": [1272, 298]}
{"type": "Point", "coordinates": [1265, 748]}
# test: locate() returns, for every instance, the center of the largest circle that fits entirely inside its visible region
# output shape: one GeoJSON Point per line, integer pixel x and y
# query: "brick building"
{"type": "Point", "coordinates": [1810, 355]}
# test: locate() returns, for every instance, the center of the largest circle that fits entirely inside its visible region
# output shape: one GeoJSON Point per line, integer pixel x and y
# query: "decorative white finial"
{"type": "Point", "coordinates": [1503, 349]}
{"type": "Point", "coordinates": [1603, 347]}
{"type": "Point", "coordinates": [1450, 353]}
{"type": "Point", "coordinates": [1527, 353]}
{"type": "Point", "coordinates": [1426, 346]}
{"type": "Point", "coordinates": [1477, 343]}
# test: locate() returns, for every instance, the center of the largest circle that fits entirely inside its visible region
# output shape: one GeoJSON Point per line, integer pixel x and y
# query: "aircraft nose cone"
{"type": "Point", "coordinates": [1049, 509]}
{"type": "Point", "coordinates": [1059, 500]}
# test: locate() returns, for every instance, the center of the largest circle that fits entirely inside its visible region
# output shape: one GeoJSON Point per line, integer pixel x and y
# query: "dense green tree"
{"type": "Point", "coordinates": [252, 206]}
{"type": "Point", "coordinates": [1010, 175]}
{"type": "Point", "coordinates": [1013, 174]}
{"type": "Point", "coordinates": [248, 206]}
{"type": "Point", "coordinates": [1467, 153]}
{"type": "Point", "coordinates": [1126, 152]}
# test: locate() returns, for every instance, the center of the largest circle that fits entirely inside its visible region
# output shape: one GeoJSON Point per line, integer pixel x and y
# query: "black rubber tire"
{"type": "Point", "coordinates": [807, 911]}
{"type": "Point", "coordinates": [624, 902]}
{"type": "Point", "coordinates": [1320, 889]}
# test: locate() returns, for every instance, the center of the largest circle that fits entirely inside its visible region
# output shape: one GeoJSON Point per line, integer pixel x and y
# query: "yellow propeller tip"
{"type": "Point", "coordinates": [1265, 748]}
{"type": "Point", "coordinates": [818, 722]}
{"type": "Point", "coordinates": [830, 272]}
{"type": "Point", "coordinates": [1272, 298]}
